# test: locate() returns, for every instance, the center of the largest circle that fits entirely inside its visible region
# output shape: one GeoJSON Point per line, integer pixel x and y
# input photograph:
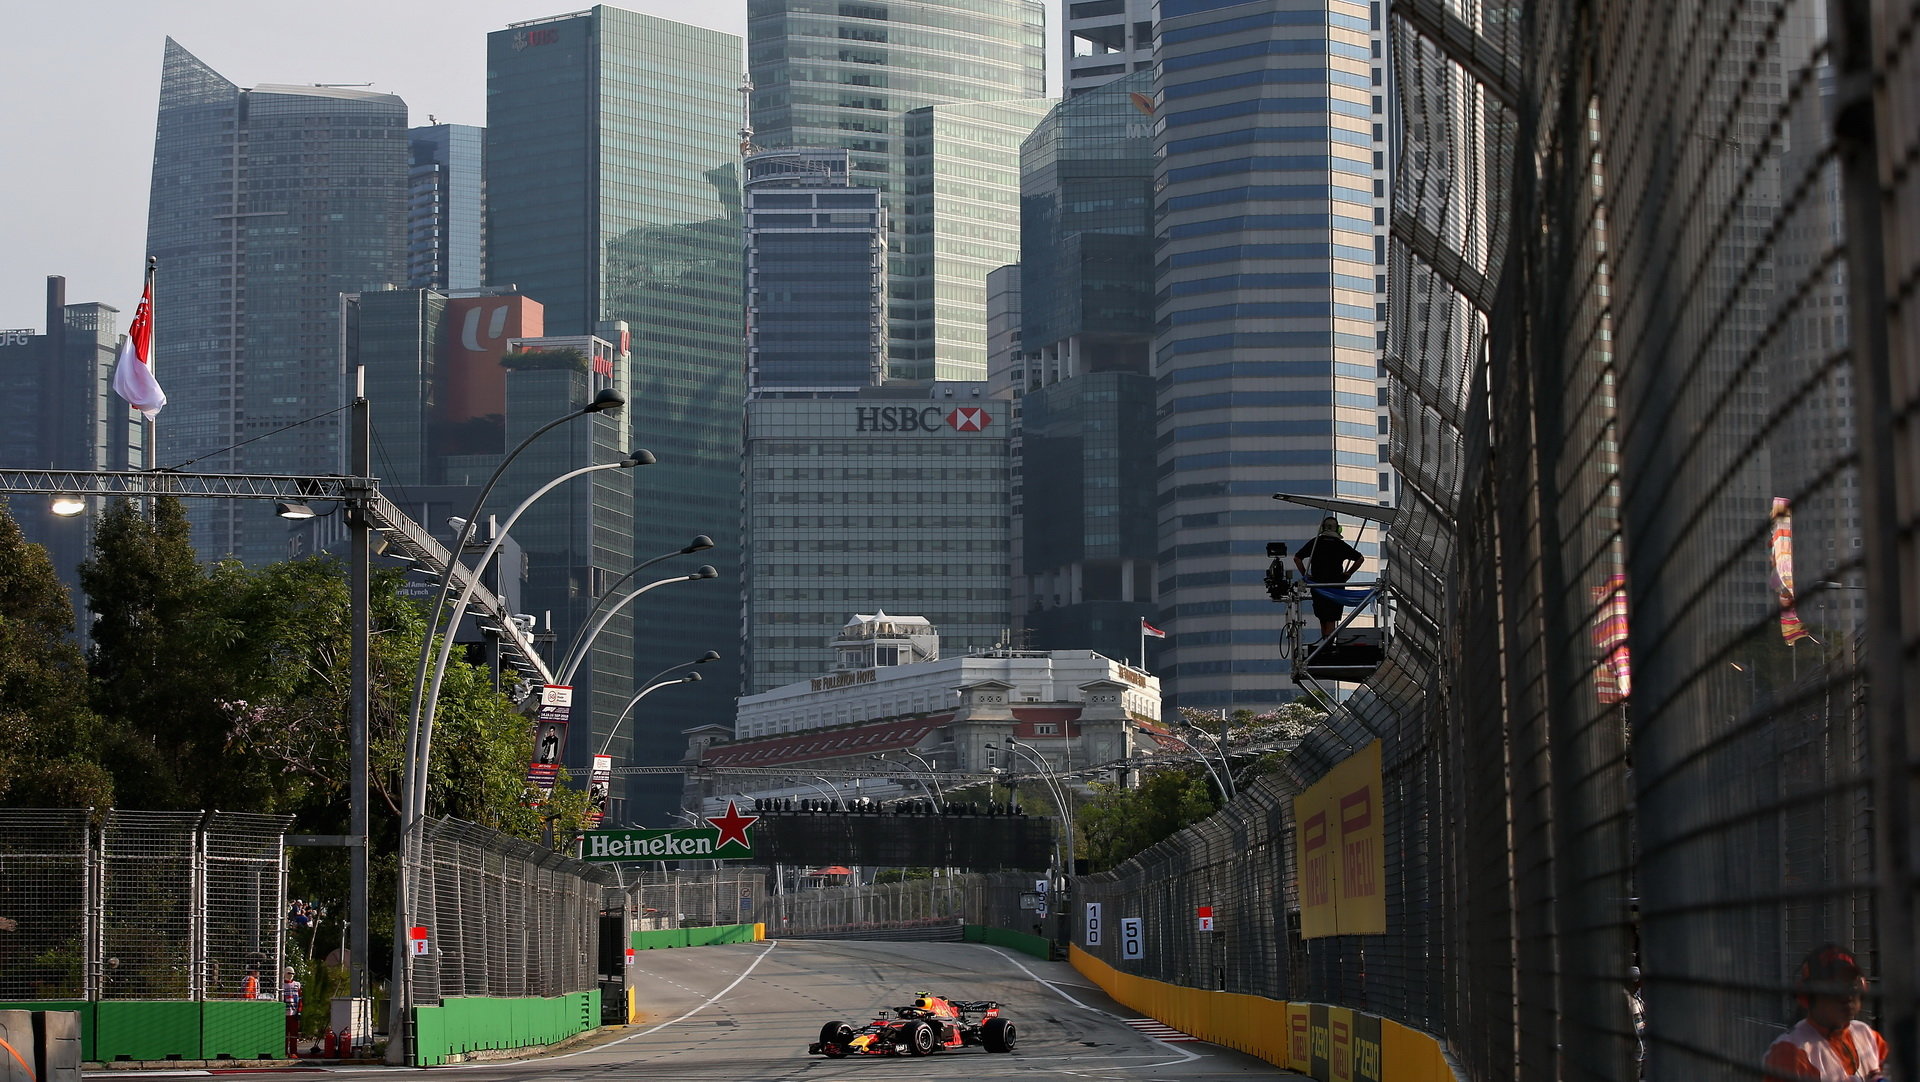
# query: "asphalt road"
{"type": "Point", "coordinates": [746, 1013]}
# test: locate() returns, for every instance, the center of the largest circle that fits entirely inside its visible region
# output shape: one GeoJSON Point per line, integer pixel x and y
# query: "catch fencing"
{"type": "Point", "coordinates": [812, 905]}
{"type": "Point", "coordinates": [505, 918]}
{"type": "Point", "coordinates": [139, 905]}
{"type": "Point", "coordinates": [1654, 352]}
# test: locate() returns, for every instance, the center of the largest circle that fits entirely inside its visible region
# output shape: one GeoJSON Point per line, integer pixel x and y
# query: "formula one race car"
{"type": "Point", "coordinates": [920, 1028]}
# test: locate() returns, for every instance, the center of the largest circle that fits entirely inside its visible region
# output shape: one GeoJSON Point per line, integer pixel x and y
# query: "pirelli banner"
{"type": "Point", "coordinates": [1340, 852]}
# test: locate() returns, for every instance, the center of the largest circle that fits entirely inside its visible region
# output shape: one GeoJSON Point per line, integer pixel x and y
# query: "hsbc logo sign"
{"type": "Point", "coordinates": [921, 419]}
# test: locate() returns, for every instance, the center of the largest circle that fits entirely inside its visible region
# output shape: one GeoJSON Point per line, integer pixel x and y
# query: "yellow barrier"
{"type": "Point", "coordinates": [1332, 1044]}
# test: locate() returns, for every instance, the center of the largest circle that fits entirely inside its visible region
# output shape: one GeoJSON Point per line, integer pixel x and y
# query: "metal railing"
{"type": "Point", "coordinates": [139, 905]}
{"type": "Point", "coordinates": [503, 917]}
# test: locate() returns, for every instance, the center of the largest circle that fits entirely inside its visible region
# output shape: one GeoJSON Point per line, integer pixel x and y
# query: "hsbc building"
{"type": "Point", "coordinates": [890, 499]}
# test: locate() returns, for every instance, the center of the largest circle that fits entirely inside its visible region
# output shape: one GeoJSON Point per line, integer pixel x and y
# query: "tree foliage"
{"type": "Point", "coordinates": [49, 739]}
{"type": "Point", "coordinates": [1120, 822]}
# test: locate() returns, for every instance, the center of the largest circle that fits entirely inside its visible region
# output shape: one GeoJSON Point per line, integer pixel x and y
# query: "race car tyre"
{"type": "Point", "coordinates": [997, 1034]}
{"type": "Point", "coordinates": [920, 1037]}
{"type": "Point", "coordinates": [834, 1037]}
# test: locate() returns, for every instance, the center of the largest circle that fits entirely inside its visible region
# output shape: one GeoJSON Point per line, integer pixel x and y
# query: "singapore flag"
{"type": "Point", "coordinates": [133, 376]}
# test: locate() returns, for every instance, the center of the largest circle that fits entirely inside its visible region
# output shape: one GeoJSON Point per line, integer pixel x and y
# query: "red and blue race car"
{"type": "Point", "coordinates": [921, 1028]}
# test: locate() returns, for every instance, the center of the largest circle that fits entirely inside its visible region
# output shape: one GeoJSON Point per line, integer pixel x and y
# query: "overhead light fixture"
{"type": "Point", "coordinates": [67, 505]}
{"type": "Point", "coordinates": [294, 509]}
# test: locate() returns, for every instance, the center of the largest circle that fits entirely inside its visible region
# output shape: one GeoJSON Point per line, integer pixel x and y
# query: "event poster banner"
{"type": "Point", "coordinates": [550, 736]}
{"type": "Point", "coordinates": [1341, 851]}
{"type": "Point", "coordinates": [600, 788]}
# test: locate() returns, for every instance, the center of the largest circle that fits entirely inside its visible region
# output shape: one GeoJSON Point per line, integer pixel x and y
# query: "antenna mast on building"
{"type": "Point", "coordinates": [746, 115]}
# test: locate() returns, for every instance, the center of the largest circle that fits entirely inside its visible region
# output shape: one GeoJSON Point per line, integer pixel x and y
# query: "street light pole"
{"type": "Point", "coordinates": [933, 792]}
{"type": "Point", "coordinates": [689, 678]}
{"type": "Point", "coordinates": [1048, 777]}
{"type": "Point", "coordinates": [639, 457]}
{"type": "Point", "coordinates": [700, 543]}
{"type": "Point", "coordinates": [607, 400]}
{"type": "Point", "coordinates": [577, 653]}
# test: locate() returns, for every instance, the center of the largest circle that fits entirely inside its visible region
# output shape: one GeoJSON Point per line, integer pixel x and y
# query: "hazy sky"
{"type": "Point", "coordinates": [80, 85]}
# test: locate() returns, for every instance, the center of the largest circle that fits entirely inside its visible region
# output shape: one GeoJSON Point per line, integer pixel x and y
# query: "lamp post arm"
{"type": "Point", "coordinates": [444, 587]}
{"type": "Point", "coordinates": [584, 640]}
{"type": "Point", "coordinates": [692, 677]}
{"type": "Point", "coordinates": [700, 543]}
{"type": "Point", "coordinates": [432, 699]}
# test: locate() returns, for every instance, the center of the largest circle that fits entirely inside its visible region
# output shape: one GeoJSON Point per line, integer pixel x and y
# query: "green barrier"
{"type": "Point", "coordinates": [83, 1007]}
{"type": "Point", "coordinates": [464, 1024]}
{"type": "Point", "coordinates": [243, 1029]}
{"type": "Point", "coordinates": [697, 937]}
{"type": "Point", "coordinates": [142, 1031]}
{"type": "Point", "coordinates": [1039, 946]}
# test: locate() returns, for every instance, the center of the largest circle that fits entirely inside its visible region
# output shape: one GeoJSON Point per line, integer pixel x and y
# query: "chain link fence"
{"type": "Point", "coordinates": [1653, 354]}
{"type": "Point", "coordinates": [137, 905]}
{"type": "Point", "coordinates": [505, 917]}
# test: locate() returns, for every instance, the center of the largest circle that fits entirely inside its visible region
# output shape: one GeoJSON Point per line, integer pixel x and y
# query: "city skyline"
{"type": "Point", "coordinates": [88, 226]}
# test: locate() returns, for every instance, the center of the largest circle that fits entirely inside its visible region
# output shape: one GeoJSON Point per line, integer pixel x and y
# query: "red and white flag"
{"type": "Point", "coordinates": [1150, 631]}
{"type": "Point", "coordinates": [133, 376]}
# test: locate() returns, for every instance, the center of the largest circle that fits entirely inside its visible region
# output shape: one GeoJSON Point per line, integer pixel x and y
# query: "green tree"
{"type": "Point", "coordinates": [49, 738]}
{"type": "Point", "coordinates": [1120, 822]}
{"type": "Point", "coordinates": [157, 679]}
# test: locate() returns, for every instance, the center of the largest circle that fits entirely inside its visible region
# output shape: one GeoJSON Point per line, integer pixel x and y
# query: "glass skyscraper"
{"type": "Point", "coordinates": [963, 220]}
{"type": "Point", "coordinates": [266, 205]}
{"type": "Point", "coordinates": [895, 500]}
{"type": "Point", "coordinates": [1270, 189]}
{"type": "Point", "coordinates": [613, 194]}
{"type": "Point", "coordinates": [58, 411]}
{"type": "Point", "coordinates": [1085, 463]}
{"type": "Point", "coordinates": [816, 275]}
{"type": "Point", "coordinates": [446, 234]}
{"type": "Point", "coordinates": [849, 75]}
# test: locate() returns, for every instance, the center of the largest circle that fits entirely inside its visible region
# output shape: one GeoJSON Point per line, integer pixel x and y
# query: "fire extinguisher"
{"type": "Point", "coordinates": [331, 1043]}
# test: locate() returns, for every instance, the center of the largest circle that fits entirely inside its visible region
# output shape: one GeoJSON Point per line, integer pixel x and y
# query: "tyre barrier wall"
{"type": "Point", "coordinates": [1038, 946]}
{"type": "Point", "coordinates": [139, 1031]}
{"type": "Point", "coordinates": [664, 938]}
{"type": "Point", "coordinates": [463, 1025]}
{"type": "Point", "coordinates": [1332, 1044]}
{"type": "Point", "coordinates": [39, 1046]}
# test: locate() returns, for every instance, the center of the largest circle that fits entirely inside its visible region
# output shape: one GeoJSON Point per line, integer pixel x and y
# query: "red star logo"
{"type": "Point", "coordinates": [733, 827]}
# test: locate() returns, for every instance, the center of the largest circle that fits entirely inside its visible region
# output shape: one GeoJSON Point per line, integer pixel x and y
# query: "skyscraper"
{"type": "Point", "coordinates": [1106, 39]}
{"type": "Point", "coordinates": [1270, 213]}
{"type": "Point", "coordinates": [267, 204]}
{"type": "Point", "coordinates": [446, 234]}
{"type": "Point", "coordinates": [895, 500]}
{"type": "Point", "coordinates": [816, 275]}
{"type": "Point", "coordinates": [1085, 467]}
{"type": "Point", "coordinates": [58, 411]}
{"type": "Point", "coordinates": [850, 75]}
{"type": "Point", "coordinates": [963, 220]}
{"type": "Point", "coordinates": [613, 196]}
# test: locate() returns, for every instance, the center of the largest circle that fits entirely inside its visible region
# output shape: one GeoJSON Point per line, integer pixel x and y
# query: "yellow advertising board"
{"type": "Point", "coordinates": [1341, 852]}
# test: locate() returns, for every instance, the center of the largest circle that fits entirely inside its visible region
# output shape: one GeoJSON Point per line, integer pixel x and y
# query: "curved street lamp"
{"type": "Point", "coordinates": [582, 641]}
{"type": "Point", "coordinates": [689, 678]}
{"type": "Point", "coordinates": [608, 400]}
{"type": "Point", "coordinates": [1053, 786]}
{"type": "Point", "coordinates": [692, 677]}
{"type": "Point", "coordinates": [700, 543]}
{"type": "Point", "coordinates": [934, 794]}
{"type": "Point", "coordinates": [639, 457]}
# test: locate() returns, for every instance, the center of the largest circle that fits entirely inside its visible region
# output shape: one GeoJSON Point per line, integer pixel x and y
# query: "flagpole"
{"type": "Point", "coordinates": [150, 424]}
{"type": "Point", "coordinates": [1143, 644]}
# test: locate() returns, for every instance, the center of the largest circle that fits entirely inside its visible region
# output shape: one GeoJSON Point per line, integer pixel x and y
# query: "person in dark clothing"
{"type": "Point", "coordinates": [1328, 560]}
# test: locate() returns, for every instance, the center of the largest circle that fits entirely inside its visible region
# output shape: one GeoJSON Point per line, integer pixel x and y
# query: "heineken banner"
{"type": "Point", "coordinates": [726, 837]}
